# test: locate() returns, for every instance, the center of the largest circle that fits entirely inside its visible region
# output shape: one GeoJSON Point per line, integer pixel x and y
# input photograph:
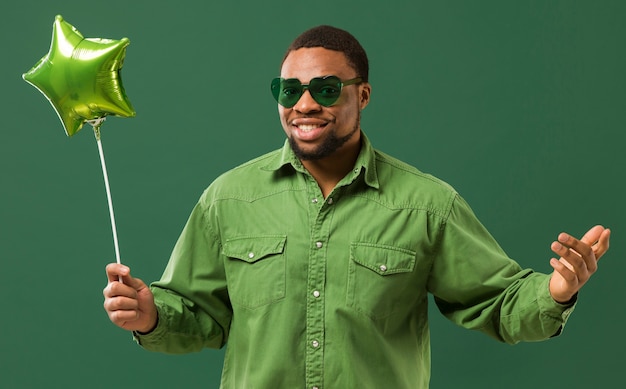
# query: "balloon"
{"type": "Point", "coordinates": [81, 77]}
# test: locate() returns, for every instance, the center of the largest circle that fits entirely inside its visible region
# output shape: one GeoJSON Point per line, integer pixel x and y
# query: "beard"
{"type": "Point", "coordinates": [329, 146]}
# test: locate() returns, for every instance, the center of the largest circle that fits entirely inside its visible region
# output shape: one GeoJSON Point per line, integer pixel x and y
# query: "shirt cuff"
{"type": "Point", "coordinates": [153, 336]}
{"type": "Point", "coordinates": [553, 309]}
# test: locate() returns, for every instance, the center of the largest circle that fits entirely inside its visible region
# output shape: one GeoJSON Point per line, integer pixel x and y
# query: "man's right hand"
{"type": "Point", "coordinates": [130, 303]}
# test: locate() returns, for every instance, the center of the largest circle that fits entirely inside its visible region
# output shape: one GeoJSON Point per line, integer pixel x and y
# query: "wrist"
{"type": "Point", "coordinates": [565, 301]}
{"type": "Point", "coordinates": [149, 328]}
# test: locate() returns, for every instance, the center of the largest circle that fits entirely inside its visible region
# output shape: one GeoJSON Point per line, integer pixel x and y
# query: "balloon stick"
{"type": "Point", "coordinates": [96, 123]}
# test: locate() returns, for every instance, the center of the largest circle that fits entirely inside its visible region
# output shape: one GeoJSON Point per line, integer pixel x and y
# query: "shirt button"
{"type": "Point", "coordinates": [383, 268]}
{"type": "Point", "coordinates": [315, 344]}
{"type": "Point", "coordinates": [250, 255]}
{"type": "Point", "coordinates": [319, 245]}
{"type": "Point", "coordinates": [330, 200]}
{"type": "Point", "coordinates": [316, 294]}
{"type": "Point", "coordinates": [314, 201]}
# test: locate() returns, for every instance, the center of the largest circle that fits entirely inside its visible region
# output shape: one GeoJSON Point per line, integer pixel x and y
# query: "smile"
{"type": "Point", "coordinates": [310, 127]}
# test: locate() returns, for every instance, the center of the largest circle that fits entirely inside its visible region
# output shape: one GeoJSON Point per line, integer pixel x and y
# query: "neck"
{"type": "Point", "coordinates": [332, 169]}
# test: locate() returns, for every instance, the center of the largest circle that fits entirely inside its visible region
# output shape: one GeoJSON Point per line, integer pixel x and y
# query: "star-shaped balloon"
{"type": "Point", "coordinates": [81, 77]}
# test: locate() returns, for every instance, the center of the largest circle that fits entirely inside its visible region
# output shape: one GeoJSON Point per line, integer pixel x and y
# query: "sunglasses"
{"type": "Point", "coordinates": [324, 90]}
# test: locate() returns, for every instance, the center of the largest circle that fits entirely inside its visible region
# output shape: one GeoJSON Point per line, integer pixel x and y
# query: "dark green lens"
{"type": "Point", "coordinates": [325, 90]}
{"type": "Point", "coordinates": [287, 92]}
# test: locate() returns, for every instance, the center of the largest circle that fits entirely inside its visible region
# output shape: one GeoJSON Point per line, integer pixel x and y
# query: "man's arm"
{"type": "Point", "coordinates": [477, 286]}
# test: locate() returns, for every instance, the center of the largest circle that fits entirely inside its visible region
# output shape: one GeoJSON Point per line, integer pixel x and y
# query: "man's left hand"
{"type": "Point", "coordinates": [577, 263]}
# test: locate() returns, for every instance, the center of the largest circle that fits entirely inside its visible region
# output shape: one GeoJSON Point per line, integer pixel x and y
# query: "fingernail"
{"type": "Point", "coordinates": [556, 246]}
{"type": "Point", "coordinates": [563, 237]}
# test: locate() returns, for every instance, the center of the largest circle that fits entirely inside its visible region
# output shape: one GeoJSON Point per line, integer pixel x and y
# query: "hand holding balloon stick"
{"type": "Point", "coordinates": [81, 79]}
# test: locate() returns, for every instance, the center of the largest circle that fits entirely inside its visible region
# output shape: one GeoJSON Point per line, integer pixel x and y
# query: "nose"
{"type": "Point", "coordinates": [307, 103]}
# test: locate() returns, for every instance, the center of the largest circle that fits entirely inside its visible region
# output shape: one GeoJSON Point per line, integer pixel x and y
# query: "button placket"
{"type": "Point", "coordinates": [319, 217]}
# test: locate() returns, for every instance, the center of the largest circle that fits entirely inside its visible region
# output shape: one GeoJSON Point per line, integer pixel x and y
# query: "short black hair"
{"type": "Point", "coordinates": [333, 38]}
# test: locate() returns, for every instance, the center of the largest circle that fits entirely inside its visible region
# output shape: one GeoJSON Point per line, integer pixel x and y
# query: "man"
{"type": "Point", "coordinates": [313, 262]}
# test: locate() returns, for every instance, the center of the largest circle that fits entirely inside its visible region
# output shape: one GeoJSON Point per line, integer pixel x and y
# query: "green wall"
{"type": "Point", "coordinates": [518, 104]}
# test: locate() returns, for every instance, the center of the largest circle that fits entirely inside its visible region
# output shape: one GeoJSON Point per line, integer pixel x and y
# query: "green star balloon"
{"type": "Point", "coordinates": [81, 77]}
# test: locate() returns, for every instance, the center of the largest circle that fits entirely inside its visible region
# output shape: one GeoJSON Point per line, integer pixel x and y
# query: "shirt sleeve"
{"type": "Point", "coordinates": [477, 286]}
{"type": "Point", "coordinates": [191, 297]}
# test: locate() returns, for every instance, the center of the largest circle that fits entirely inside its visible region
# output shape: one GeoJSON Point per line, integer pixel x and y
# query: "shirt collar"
{"type": "Point", "coordinates": [365, 163]}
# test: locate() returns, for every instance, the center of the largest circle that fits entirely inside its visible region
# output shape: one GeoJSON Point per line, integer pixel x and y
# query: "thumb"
{"type": "Point", "coordinates": [135, 283]}
{"type": "Point", "coordinates": [592, 236]}
{"type": "Point", "coordinates": [121, 273]}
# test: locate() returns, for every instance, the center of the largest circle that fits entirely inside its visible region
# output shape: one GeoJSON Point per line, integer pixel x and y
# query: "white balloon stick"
{"type": "Point", "coordinates": [96, 128]}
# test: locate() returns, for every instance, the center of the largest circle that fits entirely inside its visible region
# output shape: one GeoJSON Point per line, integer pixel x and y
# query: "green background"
{"type": "Point", "coordinates": [520, 105]}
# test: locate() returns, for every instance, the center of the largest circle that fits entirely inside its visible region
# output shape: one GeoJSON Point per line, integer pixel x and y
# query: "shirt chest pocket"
{"type": "Point", "coordinates": [380, 279]}
{"type": "Point", "coordinates": [255, 269]}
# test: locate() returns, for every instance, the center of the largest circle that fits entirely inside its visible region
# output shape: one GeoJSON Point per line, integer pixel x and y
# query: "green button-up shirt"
{"type": "Point", "coordinates": [314, 292]}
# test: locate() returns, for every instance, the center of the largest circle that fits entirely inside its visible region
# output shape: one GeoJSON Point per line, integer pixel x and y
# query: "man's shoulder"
{"type": "Point", "coordinates": [394, 170]}
{"type": "Point", "coordinates": [249, 176]}
{"type": "Point", "coordinates": [405, 186]}
{"type": "Point", "coordinates": [254, 164]}
{"type": "Point", "coordinates": [251, 167]}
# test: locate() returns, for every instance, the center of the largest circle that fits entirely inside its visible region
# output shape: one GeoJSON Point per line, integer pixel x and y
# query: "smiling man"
{"type": "Point", "coordinates": [313, 263]}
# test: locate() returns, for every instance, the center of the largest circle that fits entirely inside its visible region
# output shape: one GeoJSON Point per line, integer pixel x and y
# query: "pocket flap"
{"type": "Point", "coordinates": [253, 248]}
{"type": "Point", "coordinates": [382, 259]}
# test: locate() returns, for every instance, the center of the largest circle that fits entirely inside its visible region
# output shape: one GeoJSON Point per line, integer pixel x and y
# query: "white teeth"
{"type": "Point", "coordinates": [308, 127]}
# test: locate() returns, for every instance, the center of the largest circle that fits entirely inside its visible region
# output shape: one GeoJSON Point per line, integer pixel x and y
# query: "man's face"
{"type": "Point", "coordinates": [314, 131]}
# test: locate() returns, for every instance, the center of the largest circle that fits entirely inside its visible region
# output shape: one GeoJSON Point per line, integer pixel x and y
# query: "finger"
{"type": "Point", "coordinates": [123, 317]}
{"type": "Point", "coordinates": [115, 289]}
{"type": "Point", "coordinates": [120, 303]}
{"type": "Point", "coordinates": [580, 248]}
{"type": "Point", "coordinates": [131, 287]}
{"type": "Point", "coordinates": [602, 245]}
{"type": "Point", "coordinates": [573, 260]}
{"type": "Point", "coordinates": [567, 264]}
{"type": "Point", "coordinates": [564, 270]}
{"type": "Point", "coordinates": [583, 248]}
{"type": "Point", "coordinates": [598, 239]}
{"type": "Point", "coordinates": [115, 271]}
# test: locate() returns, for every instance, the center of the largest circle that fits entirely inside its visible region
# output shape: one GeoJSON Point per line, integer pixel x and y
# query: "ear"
{"type": "Point", "coordinates": [365, 90]}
